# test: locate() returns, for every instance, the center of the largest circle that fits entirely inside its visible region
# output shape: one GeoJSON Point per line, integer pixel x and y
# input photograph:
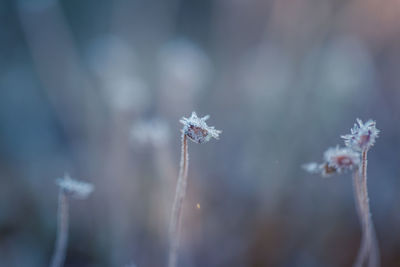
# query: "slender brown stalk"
{"type": "Point", "coordinates": [62, 231]}
{"type": "Point", "coordinates": [362, 253]}
{"type": "Point", "coordinates": [176, 216]}
{"type": "Point", "coordinates": [369, 247]}
{"type": "Point", "coordinates": [199, 132]}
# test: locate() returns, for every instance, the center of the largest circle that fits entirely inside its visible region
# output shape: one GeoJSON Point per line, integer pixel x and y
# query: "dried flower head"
{"type": "Point", "coordinates": [341, 159]}
{"type": "Point", "coordinates": [336, 160]}
{"type": "Point", "coordinates": [197, 129]}
{"type": "Point", "coordinates": [74, 188]}
{"type": "Point", "coordinates": [362, 135]}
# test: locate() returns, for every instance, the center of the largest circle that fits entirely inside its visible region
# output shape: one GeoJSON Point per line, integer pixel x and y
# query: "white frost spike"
{"type": "Point", "coordinates": [312, 167]}
{"type": "Point", "coordinates": [362, 136]}
{"type": "Point", "coordinates": [197, 129]}
{"type": "Point", "coordinates": [74, 188]}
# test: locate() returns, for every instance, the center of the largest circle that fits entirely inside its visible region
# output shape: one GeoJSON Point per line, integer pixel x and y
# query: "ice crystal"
{"type": "Point", "coordinates": [197, 129]}
{"type": "Point", "coordinates": [312, 167]}
{"type": "Point", "coordinates": [362, 135]}
{"type": "Point", "coordinates": [74, 188]}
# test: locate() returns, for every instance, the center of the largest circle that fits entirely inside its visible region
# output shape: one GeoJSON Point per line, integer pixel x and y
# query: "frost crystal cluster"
{"type": "Point", "coordinates": [197, 129]}
{"type": "Point", "coordinates": [74, 188]}
{"type": "Point", "coordinates": [362, 135]}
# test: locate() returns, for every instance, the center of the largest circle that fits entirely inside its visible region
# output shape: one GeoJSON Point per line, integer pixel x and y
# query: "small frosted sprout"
{"type": "Point", "coordinates": [354, 157]}
{"type": "Point", "coordinates": [68, 188]}
{"type": "Point", "coordinates": [197, 130]}
{"type": "Point", "coordinates": [362, 136]}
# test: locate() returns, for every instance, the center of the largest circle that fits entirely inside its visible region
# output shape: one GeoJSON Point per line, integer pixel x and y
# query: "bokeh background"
{"type": "Point", "coordinates": [96, 89]}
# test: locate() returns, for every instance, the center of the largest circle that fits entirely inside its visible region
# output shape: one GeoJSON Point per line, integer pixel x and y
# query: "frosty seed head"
{"type": "Point", "coordinates": [336, 160]}
{"type": "Point", "coordinates": [197, 129]}
{"type": "Point", "coordinates": [74, 188]}
{"type": "Point", "coordinates": [362, 136]}
{"type": "Point", "coordinates": [341, 159]}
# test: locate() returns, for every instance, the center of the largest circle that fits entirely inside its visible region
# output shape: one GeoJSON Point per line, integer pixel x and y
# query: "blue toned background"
{"type": "Point", "coordinates": [97, 88]}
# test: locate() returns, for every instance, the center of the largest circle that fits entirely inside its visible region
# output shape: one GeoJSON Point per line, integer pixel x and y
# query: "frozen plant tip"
{"type": "Point", "coordinates": [74, 188]}
{"type": "Point", "coordinates": [336, 160]}
{"type": "Point", "coordinates": [197, 129]}
{"type": "Point", "coordinates": [342, 159]}
{"type": "Point", "coordinates": [362, 135]}
{"type": "Point", "coordinates": [68, 188]}
{"type": "Point", "coordinates": [199, 132]}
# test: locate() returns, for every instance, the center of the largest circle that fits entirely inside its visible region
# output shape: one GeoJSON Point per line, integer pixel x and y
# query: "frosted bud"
{"type": "Point", "coordinates": [197, 129]}
{"type": "Point", "coordinates": [74, 188]}
{"type": "Point", "coordinates": [362, 136]}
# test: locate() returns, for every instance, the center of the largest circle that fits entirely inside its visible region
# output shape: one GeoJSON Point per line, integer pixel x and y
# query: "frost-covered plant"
{"type": "Point", "coordinates": [354, 157]}
{"type": "Point", "coordinates": [68, 188]}
{"type": "Point", "coordinates": [361, 139]}
{"type": "Point", "coordinates": [197, 130]}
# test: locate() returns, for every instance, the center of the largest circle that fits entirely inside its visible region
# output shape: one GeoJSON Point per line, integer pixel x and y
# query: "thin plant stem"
{"type": "Point", "coordinates": [357, 194]}
{"type": "Point", "coordinates": [176, 216]}
{"type": "Point", "coordinates": [369, 246]}
{"type": "Point", "coordinates": [374, 259]}
{"type": "Point", "coordinates": [365, 203]}
{"type": "Point", "coordinates": [62, 231]}
{"type": "Point", "coordinates": [362, 253]}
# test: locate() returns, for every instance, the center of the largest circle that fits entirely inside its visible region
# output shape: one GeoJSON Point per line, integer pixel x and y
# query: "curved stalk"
{"type": "Point", "coordinates": [62, 231]}
{"type": "Point", "coordinates": [176, 216]}
{"type": "Point", "coordinates": [362, 253]}
{"type": "Point", "coordinates": [369, 246]}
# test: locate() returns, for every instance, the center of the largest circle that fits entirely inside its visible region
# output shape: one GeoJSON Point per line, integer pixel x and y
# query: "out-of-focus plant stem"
{"type": "Point", "coordinates": [62, 231]}
{"type": "Point", "coordinates": [176, 216]}
{"type": "Point", "coordinates": [369, 247]}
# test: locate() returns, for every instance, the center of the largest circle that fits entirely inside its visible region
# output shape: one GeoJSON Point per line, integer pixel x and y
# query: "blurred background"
{"type": "Point", "coordinates": [97, 88]}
